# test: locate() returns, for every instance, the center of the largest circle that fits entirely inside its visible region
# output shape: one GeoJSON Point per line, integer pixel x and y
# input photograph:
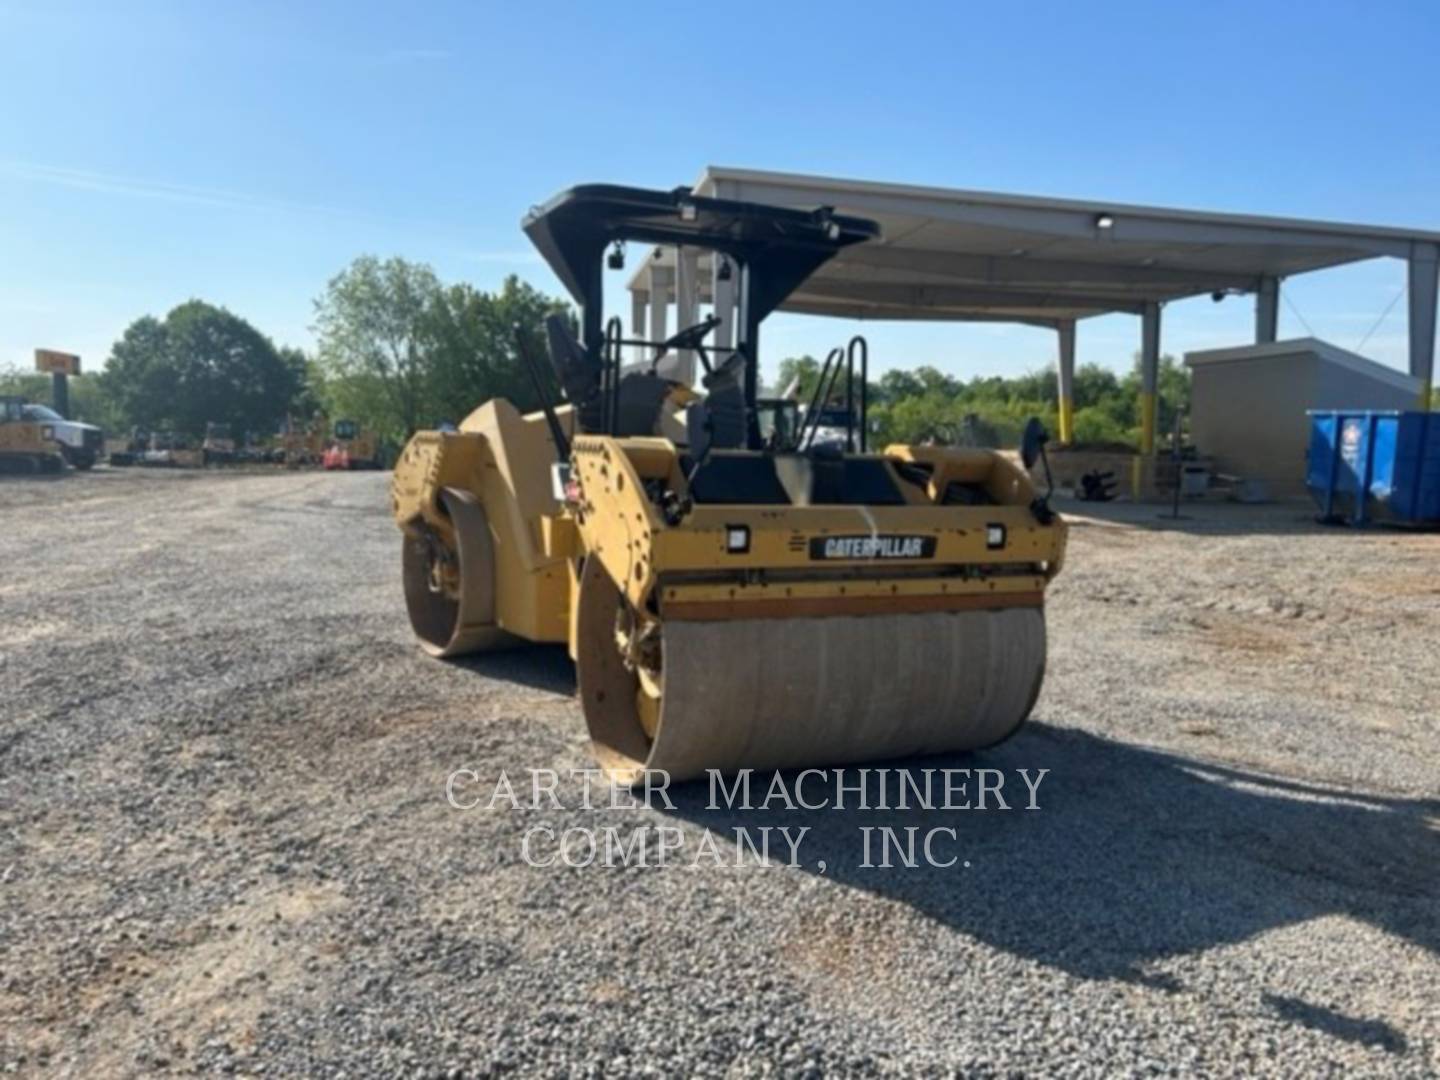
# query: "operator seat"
{"type": "Point", "coordinates": [724, 415]}
{"type": "Point", "coordinates": [578, 372]}
{"type": "Point", "coordinates": [642, 392]}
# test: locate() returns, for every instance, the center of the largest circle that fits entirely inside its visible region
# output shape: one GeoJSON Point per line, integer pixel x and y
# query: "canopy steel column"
{"type": "Point", "coordinates": [687, 303]}
{"type": "Point", "coordinates": [1424, 260]}
{"type": "Point", "coordinates": [659, 307]}
{"type": "Point", "coordinates": [637, 326]}
{"type": "Point", "coordinates": [1267, 310]}
{"type": "Point", "coordinates": [722, 289]}
{"type": "Point", "coordinates": [1066, 381]}
{"type": "Point", "coordinates": [1149, 373]}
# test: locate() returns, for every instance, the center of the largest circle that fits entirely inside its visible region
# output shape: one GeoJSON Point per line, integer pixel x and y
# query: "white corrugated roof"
{"type": "Point", "coordinates": [971, 255]}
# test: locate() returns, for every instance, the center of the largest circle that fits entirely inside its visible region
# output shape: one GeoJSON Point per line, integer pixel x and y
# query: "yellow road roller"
{"type": "Point", "coordinates": [736, 591]}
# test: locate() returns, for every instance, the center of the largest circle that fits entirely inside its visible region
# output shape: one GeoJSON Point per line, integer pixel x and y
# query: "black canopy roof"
{"type": "Point", "coordinates": [779, 247]}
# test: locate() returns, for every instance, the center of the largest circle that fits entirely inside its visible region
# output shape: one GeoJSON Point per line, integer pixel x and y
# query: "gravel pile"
{"type": "Point", "coordinates": [226, 845]}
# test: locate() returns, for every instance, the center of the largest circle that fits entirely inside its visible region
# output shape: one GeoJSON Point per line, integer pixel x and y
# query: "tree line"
{"type": "Point", "coordinates": [398, 350]}
{"type": "Point", "coordinates": [922, 404]}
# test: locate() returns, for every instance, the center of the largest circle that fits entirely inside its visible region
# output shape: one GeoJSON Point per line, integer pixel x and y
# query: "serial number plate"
{"type": "Point", "coordinates": [872, 547]}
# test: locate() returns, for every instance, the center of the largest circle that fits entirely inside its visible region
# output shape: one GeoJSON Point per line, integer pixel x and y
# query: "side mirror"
{"type": "Point", "coordinates": [1032, 442]}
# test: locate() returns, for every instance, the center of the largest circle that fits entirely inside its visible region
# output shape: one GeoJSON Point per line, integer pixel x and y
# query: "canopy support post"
{"type": "Point", "coordinates": [1066, 381]}
{"type": "Point", "coordinates": [638, 300]}
{"type": "Point", "coordinates": [1149, 373]}
{"type": "Point", "coordinates": [1424, 260]}
{"type": "Point", "coordinates": [659, 308]}
{"type": "Point", "coordinates": [1267, 310]}
{"type": "Point", "coordinates": [687, 303]}
{"type": "Point", "coordinates": [722, 291]}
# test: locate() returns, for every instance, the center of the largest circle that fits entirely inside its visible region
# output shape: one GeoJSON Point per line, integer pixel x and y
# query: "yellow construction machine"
{"type": "Point", "coordinates": [302, 443]}
{"type": "Point", "coordinates": [353, 447]}
{"type": "Point", "coordinates": [734, 592]}
{"type": "Point", "coordinates": [220, 446]}
{"type": "Point", "coordinates": [27, 442]}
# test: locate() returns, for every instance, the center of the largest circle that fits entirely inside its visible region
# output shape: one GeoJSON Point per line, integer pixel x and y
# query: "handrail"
{"type": "Point", "coordinates": [612, 360]}
{"type": "Point", "coordinates": [864, 418]}
{"type": "Point", "coordinates": [823, 386]}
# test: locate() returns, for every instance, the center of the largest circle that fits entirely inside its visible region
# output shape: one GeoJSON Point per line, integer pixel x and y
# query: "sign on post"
{"type": "Point", "coordinates": [57, 363]}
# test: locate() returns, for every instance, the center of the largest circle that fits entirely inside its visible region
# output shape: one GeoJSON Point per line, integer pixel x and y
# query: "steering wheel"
{"type": "Point", "coordinates": [692, 337]}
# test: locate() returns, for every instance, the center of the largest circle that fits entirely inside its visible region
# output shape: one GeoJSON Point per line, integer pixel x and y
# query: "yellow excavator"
{"type": "Point", "coordinates": [735, 592]}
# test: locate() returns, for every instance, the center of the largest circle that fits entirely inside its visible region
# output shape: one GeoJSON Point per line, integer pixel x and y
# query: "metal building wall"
{"type": "Point", "coordinates": [1248, 404]}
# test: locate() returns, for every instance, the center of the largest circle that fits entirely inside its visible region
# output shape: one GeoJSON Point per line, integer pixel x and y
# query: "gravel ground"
{"type": "Point", "coordinates": [225, 843]}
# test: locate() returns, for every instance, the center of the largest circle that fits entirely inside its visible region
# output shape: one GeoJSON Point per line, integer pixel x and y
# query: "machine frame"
{"type": "Point", "coordinates": [556, 526]}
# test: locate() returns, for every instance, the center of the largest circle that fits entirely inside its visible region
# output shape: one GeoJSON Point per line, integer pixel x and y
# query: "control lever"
{"type": "Point", "coordinates": [542, 394]}
{"type": "Point", "coordinates": [1032, 449]}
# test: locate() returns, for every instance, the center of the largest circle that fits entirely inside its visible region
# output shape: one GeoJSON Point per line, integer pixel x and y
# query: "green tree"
{"type": "Point", "coordinates": [1094, 384]}
{"type": "Point", "coordinates": [374, 326]}
{"type": "Point", "coordinates": [1172, 386]}
{"type": "Point", "coordinates": [137, 375]}
{"type": "Point", "coordinates": [472, 353]}
{"type": "Point", "coordinates": [1095, 424]}
{"type": "Point", "coordinates": [897, 384]}
{"type": "Point", "coordinates": [401, 351]}
{"type": "Point", "coordinates": [932, 380]}
{"type": "Point", "coordinates": [307, 380]}
{"type": "Point", "coordinates": [924, 403]}
{"type": "Point", "coordinates": [201, 364]}
{"type": "Point", "coordinates": [1040, 385]}
{"type": "Point", "coordinates": [801, 371]}
{"type": "Point", "coordinates": [803, 374]}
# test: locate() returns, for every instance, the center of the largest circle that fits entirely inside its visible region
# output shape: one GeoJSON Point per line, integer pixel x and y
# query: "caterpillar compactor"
{"type": "Point", "coordinates": [734, 592]}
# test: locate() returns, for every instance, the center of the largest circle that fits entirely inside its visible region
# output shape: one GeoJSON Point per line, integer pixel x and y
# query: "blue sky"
{"type": "Point", "coordinates": [245, 152]}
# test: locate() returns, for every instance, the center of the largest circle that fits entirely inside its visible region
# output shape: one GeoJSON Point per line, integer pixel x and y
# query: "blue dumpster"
{"type": "Point", "coordinates": [1375, 465]}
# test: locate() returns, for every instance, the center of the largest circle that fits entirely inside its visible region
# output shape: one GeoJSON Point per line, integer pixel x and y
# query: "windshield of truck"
{"type": "Point", "coordinates": [41, 412]}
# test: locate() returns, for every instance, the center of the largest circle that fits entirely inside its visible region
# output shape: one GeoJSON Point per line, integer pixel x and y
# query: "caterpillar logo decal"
{"type": "Point", "coordinates": [872, 547]}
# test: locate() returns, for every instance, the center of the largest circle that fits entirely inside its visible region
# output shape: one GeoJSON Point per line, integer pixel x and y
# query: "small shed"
{"type": "Point", "coordinates": [1248, 404]}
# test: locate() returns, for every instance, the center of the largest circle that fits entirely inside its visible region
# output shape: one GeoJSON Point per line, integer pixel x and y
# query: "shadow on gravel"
{"type": "Point", "coordinates": [540, 667]}
{"type": "Point", "coordinates": [1133, 856]}
{"type": "Point", "coordinates": [1364, 1032]}
{"type": "Point", "coordinates": [1212, 518]}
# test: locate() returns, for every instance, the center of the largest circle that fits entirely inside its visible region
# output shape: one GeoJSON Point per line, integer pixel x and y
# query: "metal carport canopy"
{"type": "Point", "coordinates": [967, 255]}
